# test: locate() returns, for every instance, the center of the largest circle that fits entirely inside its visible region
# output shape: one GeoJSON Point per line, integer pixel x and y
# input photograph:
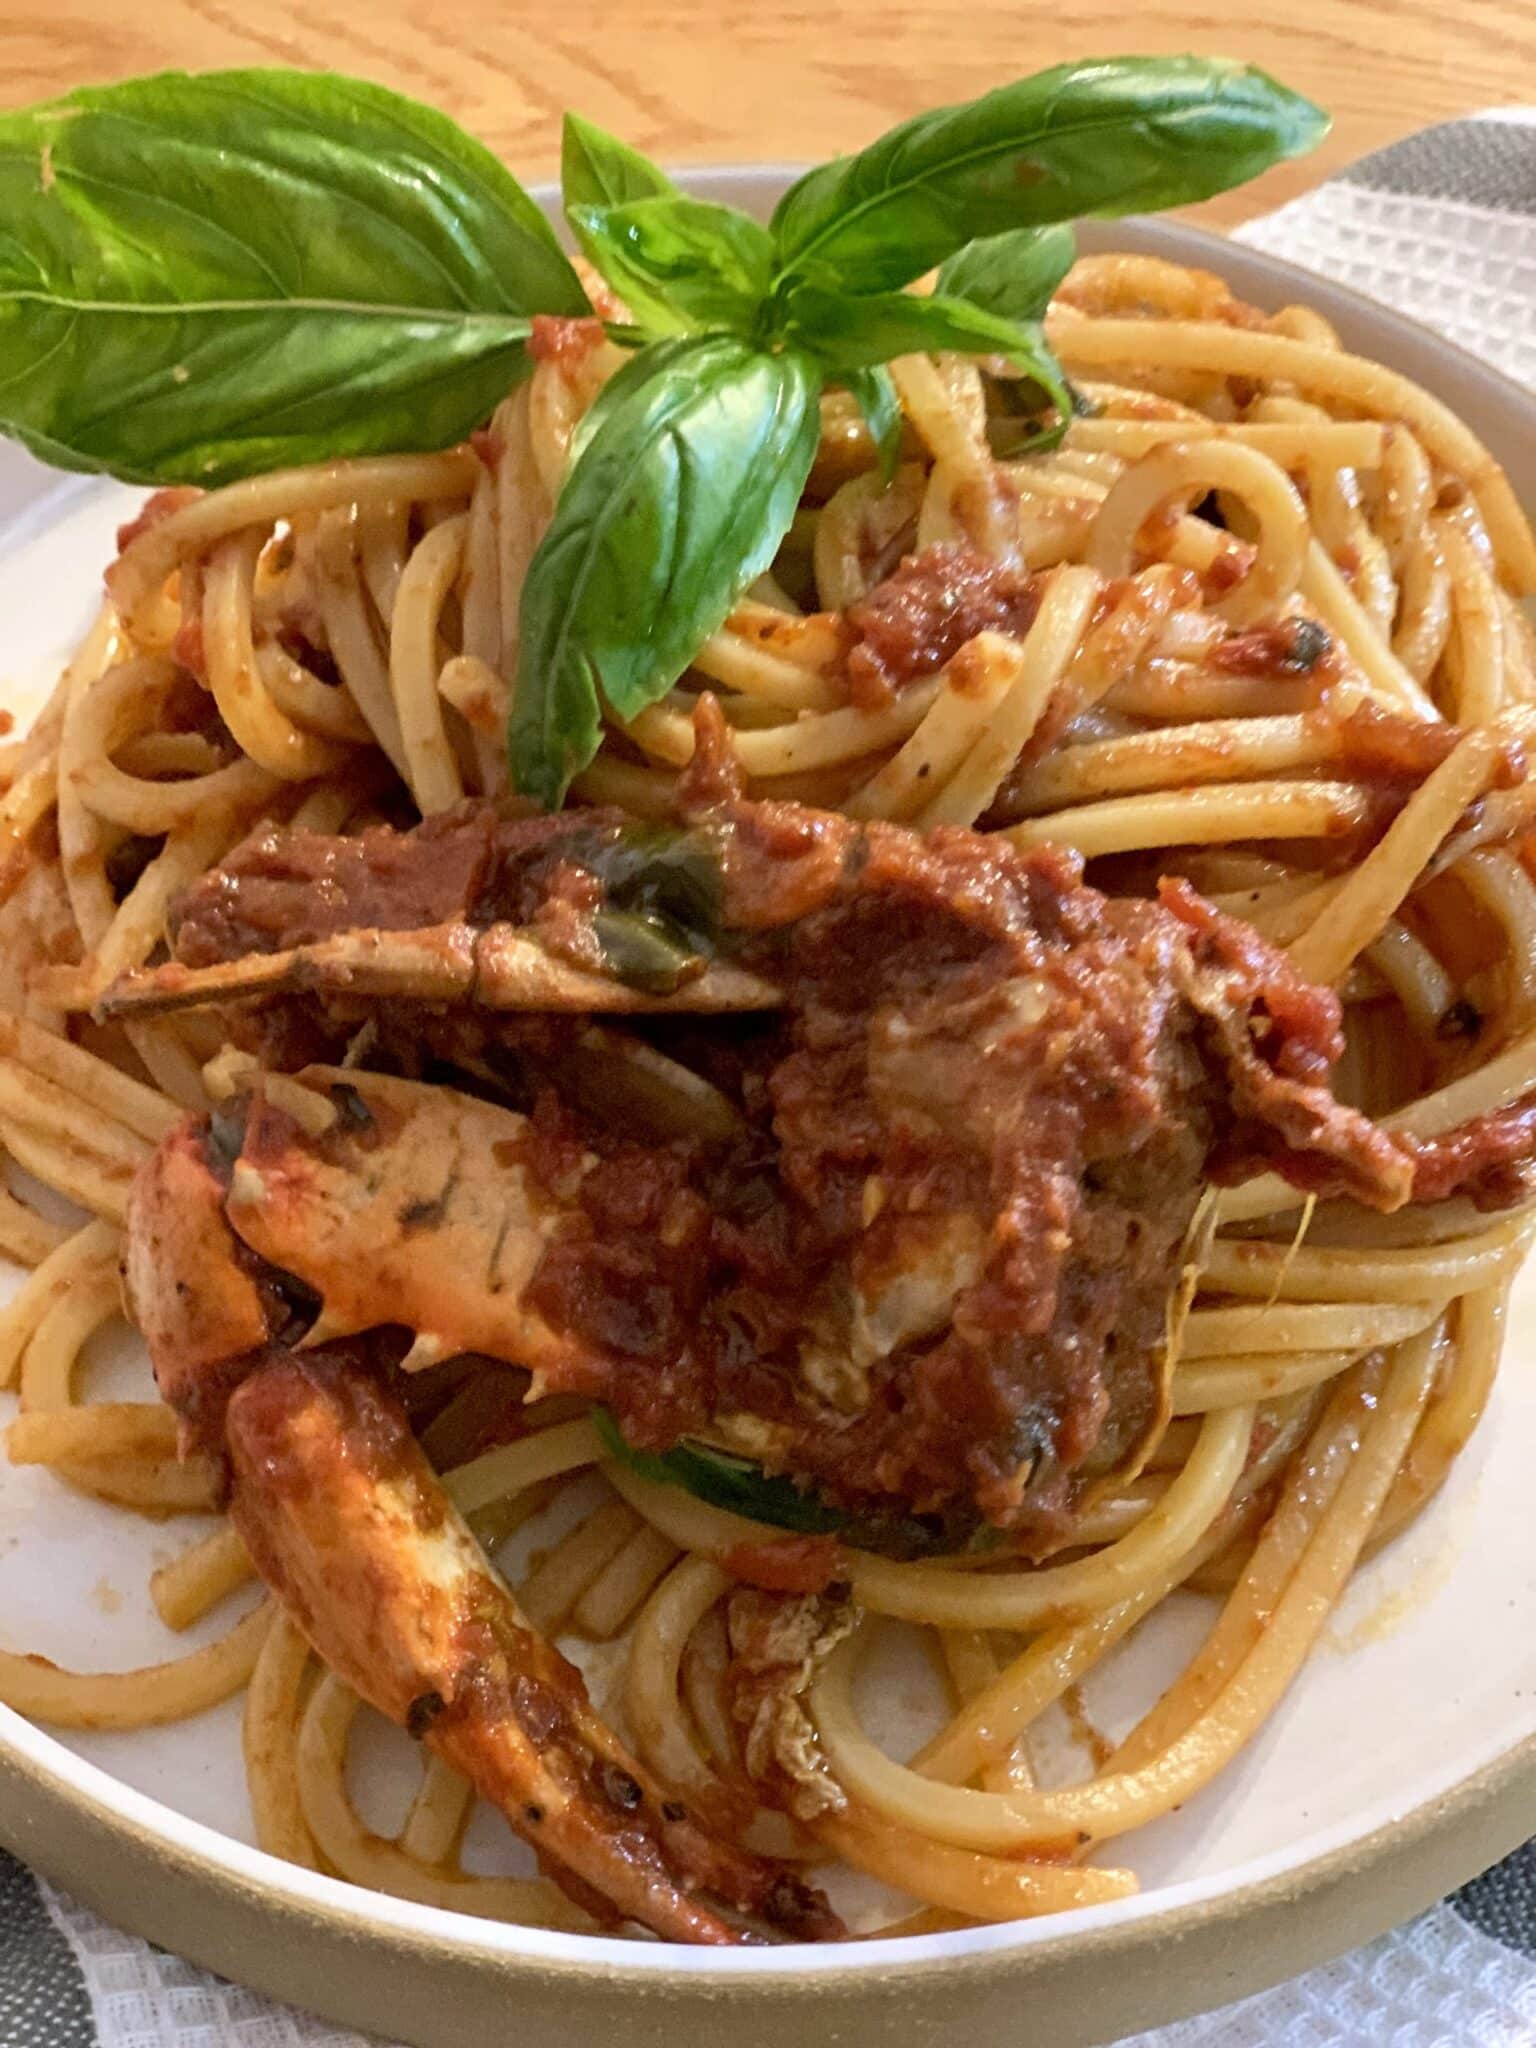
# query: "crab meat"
{"type": "Point", "coordinates": [779, 1643]}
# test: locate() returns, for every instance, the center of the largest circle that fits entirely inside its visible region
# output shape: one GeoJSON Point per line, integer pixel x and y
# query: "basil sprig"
{"type": "Point", "coordinates": [1107, 136]}
{"type": "Point", "coordinates": [983, 190]}
{"type": "Point", "coordinates": [203, 278]}
{"type": "Point", "coordinates": [206, 277]}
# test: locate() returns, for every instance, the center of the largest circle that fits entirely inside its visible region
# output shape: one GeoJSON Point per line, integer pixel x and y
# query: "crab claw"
{"type": "Point", "coordinates": [347, 1522]}
{"type": "Point", "coordinates": [348, 1202]}
{"type": "Point", "coordinates": [196, 1298]}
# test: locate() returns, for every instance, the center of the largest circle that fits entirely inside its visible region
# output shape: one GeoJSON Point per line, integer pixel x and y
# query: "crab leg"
{"type": "Point", "coordinates": [576, 912]}
{"type": "Point", "coordinates": [496, 968]}
{"type": "Point", "coordinates": [347, 1522]}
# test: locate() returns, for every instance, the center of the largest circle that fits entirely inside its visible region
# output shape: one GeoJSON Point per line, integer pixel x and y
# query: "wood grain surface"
{"type": "Point", "coordinates": [791, 80]}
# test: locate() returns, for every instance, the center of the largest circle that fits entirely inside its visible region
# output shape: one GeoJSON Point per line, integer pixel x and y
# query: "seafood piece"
{"type": "Point", "coordinates": [582, 913]}
{"type": "Point", "coordinates": [347, 1523]}
{"type": "Point", "coordinates": [919, 1271]}
{"type": "Point", "coordinates": [496, 969]}
{"type": "Point", "coordinates": [778, 1643]}
{"type": "Point", "coordinates": [925, 1271]}
{"type": "Point", "coordinates": [349, 1526]}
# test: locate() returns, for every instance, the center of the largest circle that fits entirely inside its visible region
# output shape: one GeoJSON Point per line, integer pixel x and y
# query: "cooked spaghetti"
{"type": "Point", "coordinates": [1253, 631]}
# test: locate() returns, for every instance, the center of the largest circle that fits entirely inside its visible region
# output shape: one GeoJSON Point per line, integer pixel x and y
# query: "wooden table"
{"type": "Point", "coordinates": [789, 79]}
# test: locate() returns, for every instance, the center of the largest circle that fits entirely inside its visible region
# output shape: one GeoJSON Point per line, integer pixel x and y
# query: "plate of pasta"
{"type": "Point", "coordinates": [767, 1068]}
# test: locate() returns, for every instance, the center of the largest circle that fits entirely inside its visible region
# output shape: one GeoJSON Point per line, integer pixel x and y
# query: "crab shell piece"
{"type": "Point", "coordinates": [415, 1204]}
{"type": "Point", "coordinates": [495, 967]}
{"type": "Point", "coordinates": [348, 1523]}
{"type": "Point", "coordinates": [188, 1288]}
{"type": "Point", "coordinates": [412, 1203]}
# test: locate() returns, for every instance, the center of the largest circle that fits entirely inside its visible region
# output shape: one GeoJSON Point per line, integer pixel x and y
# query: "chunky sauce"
{"type": "Point", "coordinates": [921, 616]}
{"type": "Point", "coordinates": [928, 1276]}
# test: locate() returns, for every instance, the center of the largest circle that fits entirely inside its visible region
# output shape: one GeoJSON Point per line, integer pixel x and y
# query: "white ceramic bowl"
{"type": "Point", "coordinates": [1403, 1761]}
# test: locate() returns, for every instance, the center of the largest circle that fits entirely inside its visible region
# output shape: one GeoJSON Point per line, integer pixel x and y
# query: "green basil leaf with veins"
{"type": "Point", "coordinates": [679, 499]}
{"type": "Point", "coordinates": [1103, 136]}
{"type": "Point", "coordinates": [706, 266]}
{"type": "Point", "coordinates": [852, 333]}
{"type": "Point", "coordinates": [1012, 275]}
{"type": "Point", "coordinates": [203, 278]}
{"type": "Point", "coordinates": [723, 1480]}
{"type": "Point", "coordinates": [874, 389]}
{"type": "Point", "coordinates": [631, 377]}
{"type": "Point", "coordinates": [596, 169]}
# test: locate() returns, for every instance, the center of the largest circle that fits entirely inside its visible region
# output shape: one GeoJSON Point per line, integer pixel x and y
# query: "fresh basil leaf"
{"type": "Point", "coordinates": [655, 359]}
{"type": "Point", "coordinates": [1012, 275]}
{"type": "Point", "coordinates": [201, 278]}
{"type": "Point", "coordinates": [680, 497]}
{"type": "Point", "coordinates": [1104, 136]}
{"type": "Point", "coordinates": [710, 266]}
{"type": "Point", "coordinates": [722, 1479]}
{"type": "Point", "coordinates": [743, 1488]}
{"type": "Point", "coordinates": [852, 333]}
{"type": "Point", "coordinates": [875, 391]}
{"type": "Point", "coordinates": [596, 169]}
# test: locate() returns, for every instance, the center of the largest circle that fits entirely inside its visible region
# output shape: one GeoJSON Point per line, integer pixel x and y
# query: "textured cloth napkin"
{"type": "Point", "coordinates": [1443, 227]}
